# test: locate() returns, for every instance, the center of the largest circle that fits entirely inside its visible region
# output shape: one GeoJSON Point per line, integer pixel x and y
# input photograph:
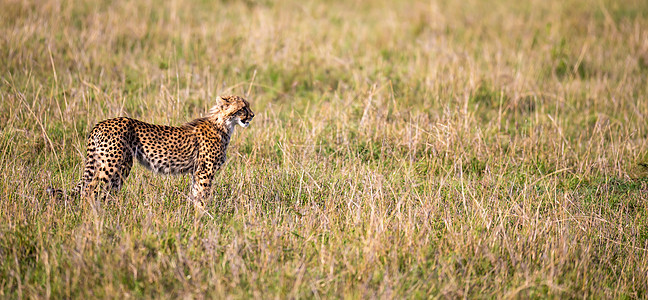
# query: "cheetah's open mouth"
{"type": "Point", "coordinates": [244, 124]}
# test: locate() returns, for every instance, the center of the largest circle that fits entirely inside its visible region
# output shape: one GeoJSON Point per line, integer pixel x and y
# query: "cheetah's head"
{"type": "Point", "coordinates": [232, 110]}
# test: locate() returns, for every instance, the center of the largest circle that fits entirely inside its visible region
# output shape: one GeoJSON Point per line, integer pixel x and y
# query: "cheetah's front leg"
{"type": "Point", "coordinates": [202, 180]}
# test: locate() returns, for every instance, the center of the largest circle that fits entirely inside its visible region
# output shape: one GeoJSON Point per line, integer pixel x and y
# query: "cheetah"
{"type": "Point", "coordinates": [197, 147]}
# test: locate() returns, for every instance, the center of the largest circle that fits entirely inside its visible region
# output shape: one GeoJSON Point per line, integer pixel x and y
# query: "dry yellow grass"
{"type": "Point", "coordinates": [401, 149]}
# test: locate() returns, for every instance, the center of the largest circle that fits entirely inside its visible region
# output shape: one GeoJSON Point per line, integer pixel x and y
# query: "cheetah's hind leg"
{"type": "Point", "coordinates": [123, 170]}
{"type": "Point", "coordinates": [112, 167]}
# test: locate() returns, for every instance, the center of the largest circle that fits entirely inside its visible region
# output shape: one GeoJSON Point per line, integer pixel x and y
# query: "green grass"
{"type": "Point", "coordinates": [401, 149]}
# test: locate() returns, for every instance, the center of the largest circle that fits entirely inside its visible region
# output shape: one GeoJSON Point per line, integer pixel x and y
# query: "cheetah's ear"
{"type": "Point", "coordinates": [225, 99]}
{"type": "Point", "coordinates": [220, 102]}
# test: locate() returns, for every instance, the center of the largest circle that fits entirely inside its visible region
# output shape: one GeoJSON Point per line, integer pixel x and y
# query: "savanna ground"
{"type": "Point", "coordinates": [400, 149]}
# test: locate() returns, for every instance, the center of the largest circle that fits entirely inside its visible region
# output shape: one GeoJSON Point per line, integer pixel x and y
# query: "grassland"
{"type": "Point", "coordinates": [401, 148]}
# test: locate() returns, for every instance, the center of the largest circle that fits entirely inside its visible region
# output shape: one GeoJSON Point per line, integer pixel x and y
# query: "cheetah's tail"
{"type": "Point", "coordinates": [60, 194]}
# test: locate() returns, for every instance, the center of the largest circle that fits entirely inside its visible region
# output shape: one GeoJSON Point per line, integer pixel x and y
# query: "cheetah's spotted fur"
{"type": "Point", "coordinates": [197, 147]}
